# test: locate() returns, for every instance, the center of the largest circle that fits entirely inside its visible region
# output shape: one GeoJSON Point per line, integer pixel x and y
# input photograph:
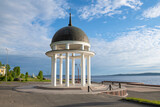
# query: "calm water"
{"type": "Point", "coordinates": [155, 80]}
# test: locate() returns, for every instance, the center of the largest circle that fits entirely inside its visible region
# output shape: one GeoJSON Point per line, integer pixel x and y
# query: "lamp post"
{"type": "Point", "coordinates": [78, 65]}
{"type": "Point", "coordinates": [6, 64]}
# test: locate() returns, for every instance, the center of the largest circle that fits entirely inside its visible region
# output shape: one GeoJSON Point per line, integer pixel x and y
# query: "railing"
{"type": "Point", "coordinates": [110, 87]}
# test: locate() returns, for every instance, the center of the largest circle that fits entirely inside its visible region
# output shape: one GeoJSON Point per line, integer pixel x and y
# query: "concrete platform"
{"type": "Point", "coordinates": [73, 89]}
{"type": "Point", "coordinates": [59, 87]}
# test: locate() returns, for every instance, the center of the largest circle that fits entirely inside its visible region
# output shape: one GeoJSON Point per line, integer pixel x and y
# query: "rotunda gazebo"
{"type": "Point", "coordinates": [70, 43]}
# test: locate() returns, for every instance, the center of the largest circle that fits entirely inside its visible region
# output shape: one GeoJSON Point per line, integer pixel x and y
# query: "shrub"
{"type": "Point", "coordinates": [40, 75]}
{"type": "Point", "coordinates": [12, 74]}
{"type": "Point", "coordinates": [26, 76]}
{"type": "Point", "coordinates": [22, 75]}
{"type": "Point", "coordinates": [17, 71]}
{"type": "Point", "coordinates": [2, 78]}
{"type": "Point", "coordinates": [10, 78]}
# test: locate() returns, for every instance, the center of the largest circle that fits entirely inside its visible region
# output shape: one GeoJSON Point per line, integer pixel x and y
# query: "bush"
{"type": "Point", "coordinates": [2, 78]}
{"type": "Point", "coordinates": [10, 78]}
{"type": "Point", "coordinates": [17, 71]}
{"type": "Point", "coordinates": [22, 75]}
{"type": "Point", "coordinates": [18, 79]}
{"type": "Point", "coordinates": [12, 74]}
{"type": "Point", "coordinates": [26, 76]}
{"type": "Point", "coordinates": [40, 75]}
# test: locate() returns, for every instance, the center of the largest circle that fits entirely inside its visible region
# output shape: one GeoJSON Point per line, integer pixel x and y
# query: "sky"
{"type": "Point", "coordinates": [124, 34]}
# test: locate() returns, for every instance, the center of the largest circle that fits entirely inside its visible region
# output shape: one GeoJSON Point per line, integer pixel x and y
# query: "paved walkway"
{"type": "Point", "coordinates": [138, 88]}
{"type": "Point", "coordinates": [12, 98]}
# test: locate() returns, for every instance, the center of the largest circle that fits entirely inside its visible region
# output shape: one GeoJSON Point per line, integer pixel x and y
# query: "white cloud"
{"type": "Point", "coordinates": [123, 18]}
{"type": "Point", "coordinates": [135, 51]}
{"type": "Point", "coordinates": [25, 23]}
{"type": "Point", "coordinates": [107, 8]}
{"type": "Point", "coordinates": [137, 27]}
{"type": "Point", "coordinates": [105, 22]}
{"type": "Point", "coordinates": [152, 12]}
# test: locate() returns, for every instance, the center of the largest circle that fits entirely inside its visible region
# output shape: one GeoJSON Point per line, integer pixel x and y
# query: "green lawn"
{"type": "Point", "coordinates": [139, 100]}
{"type": "Point", "coordinates": [36, 80]}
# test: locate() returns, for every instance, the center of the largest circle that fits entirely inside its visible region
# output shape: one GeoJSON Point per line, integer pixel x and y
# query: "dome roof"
{"type": "Point", "coordinates": [70, 33]}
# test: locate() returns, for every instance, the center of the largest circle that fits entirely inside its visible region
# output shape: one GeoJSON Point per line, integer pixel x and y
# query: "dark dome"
{"type": "Point", "coordinates": [70, 33]}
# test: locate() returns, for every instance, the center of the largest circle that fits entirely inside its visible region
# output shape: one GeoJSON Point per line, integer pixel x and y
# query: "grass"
{"type": "Point", "coordinates": [144, 101]}
{"type": "Point", "coordinates": [36, 80]}
{"type": "Point", "coordinates": [29, 79]}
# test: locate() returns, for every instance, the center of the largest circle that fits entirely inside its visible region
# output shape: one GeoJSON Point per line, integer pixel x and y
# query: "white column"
{"type": "Point", "coordinates": [54, 69]}
{"type": "Point", "coordinates": [73, 70]}
{"type": "Point", "coordinates": [82, 48]}
{"type": "Point", "coordinates": [83, 69]}
{"type": "Point", "coordinates": [52, 62]}
{"type": "Point", "coordinates": [81, 72]}
{"type": "Point", "coordinates": [61, 71]}
{"type": "Point", "coordinates": [88, 70]}
{"type": "Point", "coordinates": [67, 69]}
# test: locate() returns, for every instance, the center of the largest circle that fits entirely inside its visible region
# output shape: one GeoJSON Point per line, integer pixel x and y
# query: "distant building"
{"type": "Point", "coordinates": [2, 70]}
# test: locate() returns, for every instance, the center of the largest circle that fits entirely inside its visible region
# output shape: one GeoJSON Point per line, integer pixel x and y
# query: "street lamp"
{"type": "Point", "coordinates": [78, 65]}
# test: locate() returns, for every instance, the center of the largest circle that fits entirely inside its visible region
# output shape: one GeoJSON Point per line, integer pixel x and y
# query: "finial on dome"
{"type": "Point", "coordinates": [70, 21]}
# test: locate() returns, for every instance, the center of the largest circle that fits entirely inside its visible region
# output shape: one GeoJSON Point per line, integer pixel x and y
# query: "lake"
{"type": "Point", "coordinates": [154, 80]}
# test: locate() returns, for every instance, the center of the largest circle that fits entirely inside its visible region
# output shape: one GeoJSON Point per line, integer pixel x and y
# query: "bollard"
{"type": "Point", "coordinates": [88, 88]}
{"type": "Point", "coordinates": [119, 85]}
{"type": "Point", "coordinates": [109, 87]}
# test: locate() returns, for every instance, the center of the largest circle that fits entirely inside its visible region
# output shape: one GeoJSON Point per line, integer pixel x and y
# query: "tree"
{"type": "Point", "coordinates": [17, 71]}
{"type": "Point", "coordinates": [26, 76]}
{"type": "Point", "coordinates": [8, 67]}
{"type": "Point", "coordinates": [13, 74]}
{"type": "Point", "coordinates": [10, 78]}
{"type": "Point", "coordinates": [0, 64]}
{"type": "Point", "coordinates": [40, 75]}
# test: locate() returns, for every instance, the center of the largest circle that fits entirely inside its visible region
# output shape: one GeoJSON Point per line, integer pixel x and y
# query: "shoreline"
{"type": "Point", "coordinates": [152, 80]}
{"type": "Point", "coordinates": [102, 82]}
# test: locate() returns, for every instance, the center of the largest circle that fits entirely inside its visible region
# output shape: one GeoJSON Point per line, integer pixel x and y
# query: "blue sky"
{"type": "Point", "coordinates": [124, 34]}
